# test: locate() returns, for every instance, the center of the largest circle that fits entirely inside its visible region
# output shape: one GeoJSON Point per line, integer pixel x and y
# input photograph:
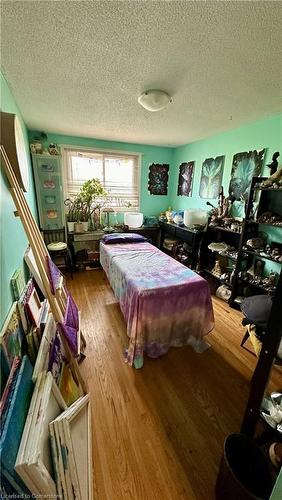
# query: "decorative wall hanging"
{"type": "Point", "coordinates": [211, 177]}
{"type": "Point", "coordinates": [158, 178]}
{"type": "Point", "coordinates": [244, 166]}
{"type": "Point", "coordinates": [185, 179]}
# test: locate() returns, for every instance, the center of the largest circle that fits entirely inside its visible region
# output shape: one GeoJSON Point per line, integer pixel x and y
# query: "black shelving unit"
{"type": "Point", "coordinates": [191, 237]}
{"type": "Point", "coordinates": [267, 358]}
{"type": "Point", "coordinates": [270, 200]}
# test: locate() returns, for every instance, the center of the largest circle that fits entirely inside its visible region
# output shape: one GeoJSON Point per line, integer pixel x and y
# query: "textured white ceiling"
{"type": "Point", "coordinates": [78, 67]}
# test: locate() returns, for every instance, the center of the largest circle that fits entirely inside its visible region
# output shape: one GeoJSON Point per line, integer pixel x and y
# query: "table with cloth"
{"type": "Point", "coordinates": [163, 302]}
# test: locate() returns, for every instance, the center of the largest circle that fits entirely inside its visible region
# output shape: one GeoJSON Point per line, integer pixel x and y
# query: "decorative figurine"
{"type": "Point", "coordinates": [53, 149]}
{"type": "Point", "coordinates": [274, 164]}
{"type": "Point", "coordinates": [216, 270]}
{"type": "Point", "coordinates": [275, 178]}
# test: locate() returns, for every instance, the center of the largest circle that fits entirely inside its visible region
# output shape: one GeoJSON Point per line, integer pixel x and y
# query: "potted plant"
{"type": "Point", "coordinates": [72, 215]}
{"type": "Point", "coordinates": [82, 207]}
{"type": "Point", "coordinates": [89, 199]}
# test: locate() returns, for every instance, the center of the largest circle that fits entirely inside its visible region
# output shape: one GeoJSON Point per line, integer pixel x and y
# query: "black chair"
{"type": "Point", "coordinates": [256, 310]}
{"type": "Point", "coordinates": [55, 240]}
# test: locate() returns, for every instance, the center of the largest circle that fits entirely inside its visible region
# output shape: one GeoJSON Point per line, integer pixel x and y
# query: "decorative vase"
{"type": "Point", "coordinates": [70, 227]}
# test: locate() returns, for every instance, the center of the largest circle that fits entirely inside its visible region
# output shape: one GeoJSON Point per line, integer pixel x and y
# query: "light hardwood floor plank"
{"type": "Point", "coordinates": [158, 432]}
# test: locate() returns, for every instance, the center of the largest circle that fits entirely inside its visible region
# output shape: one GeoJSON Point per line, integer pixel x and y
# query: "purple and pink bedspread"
{"type": "Point", "coordinates": [163, 302]}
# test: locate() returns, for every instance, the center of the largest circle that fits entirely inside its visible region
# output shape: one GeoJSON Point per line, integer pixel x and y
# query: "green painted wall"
{"type": "Point", "coordinates": [13, 241]}
{"type": "Point", "coordinates": [149, 204]}
{"type": "Point", "coordinates": [263, 134]}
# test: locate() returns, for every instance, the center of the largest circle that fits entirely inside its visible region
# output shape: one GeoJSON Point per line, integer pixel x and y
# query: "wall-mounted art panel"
{"type": "Point", "coordinates": [158, 178]}
{"type": "Point", "coordinates": [245, 166]}
{"type": "Point", "coordinates": [211, 178]}
{"type": "Point", "coordinates": [185, 178]}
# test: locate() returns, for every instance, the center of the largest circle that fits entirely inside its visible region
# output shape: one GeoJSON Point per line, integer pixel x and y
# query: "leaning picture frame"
{"type": "Point", "coordinates": [31, 263]}
{"type": "Point", "coordinates": [73, 433]}
{"type": "Point", "coordinates": [35, 460]}
{"type": "Point", "coordinates": [42, 359]}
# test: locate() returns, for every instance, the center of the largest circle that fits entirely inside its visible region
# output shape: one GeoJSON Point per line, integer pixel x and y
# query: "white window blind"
{"type": "Point", "coordinates": [118, 173]}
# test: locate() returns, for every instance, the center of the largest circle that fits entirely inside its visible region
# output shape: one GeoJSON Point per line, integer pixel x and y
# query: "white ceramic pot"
{"type": "Point", "coordinates": [85, 225]}
{"type": "Point", "coordinates": [195, 217]}
{"type": "Point", "coordinates": [70, 227]}
{"type": "Point", "coordinates": [133, 219]}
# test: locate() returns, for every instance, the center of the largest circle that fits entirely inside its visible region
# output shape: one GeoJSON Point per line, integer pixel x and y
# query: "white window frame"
{"type": "Point", "coordinates": [66, 147]}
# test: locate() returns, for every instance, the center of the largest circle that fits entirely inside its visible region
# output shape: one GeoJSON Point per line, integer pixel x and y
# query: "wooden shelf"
{"type": "Point", "coordinates": [264, 223]}
{"type": "Point", "coordinates": [256, 285]}
{"type": "Point", "coordinates": [218, 278]}
{"type": "Point", "coordinates": [224, 229]}
{"type": "Point", "coordinates": [251, 252]}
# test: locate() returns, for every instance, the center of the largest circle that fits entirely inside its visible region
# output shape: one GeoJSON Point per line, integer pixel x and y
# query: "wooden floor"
{"type": "Point", "coordinates": [158, 432]}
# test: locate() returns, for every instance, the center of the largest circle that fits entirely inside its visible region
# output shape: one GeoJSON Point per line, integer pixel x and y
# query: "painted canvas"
{"type": "Point", "coordinates": [12, 335]}
{"type": "Point", "coordinates": [158, 178]}
{"type": "Point", "coordinates": [245, 166]}
{"type": "Point", "coordinates": [185, 179]}
{"type": "Point", "coordinates": [211, 178]}
{"type": "Point", "coordinates": [71, 440]}
{"type": "Point", "coordinates": [15, 421]}
{"type": "Point", "coordinates": [34, 461]}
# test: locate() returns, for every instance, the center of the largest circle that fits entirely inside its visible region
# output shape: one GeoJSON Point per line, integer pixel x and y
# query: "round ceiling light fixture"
{"type": "Point", "coordinates": [154, 100]}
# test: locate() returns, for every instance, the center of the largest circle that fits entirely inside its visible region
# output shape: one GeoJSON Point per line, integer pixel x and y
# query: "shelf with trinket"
{"type": "Point", "coordinates": [260, 241]}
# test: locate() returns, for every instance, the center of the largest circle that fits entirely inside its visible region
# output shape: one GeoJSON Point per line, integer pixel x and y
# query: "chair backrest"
{"type": "Point", "coordinates": [54, 235]}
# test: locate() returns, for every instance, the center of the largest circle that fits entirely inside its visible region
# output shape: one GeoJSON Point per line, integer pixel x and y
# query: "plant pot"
{"type": "Point", "coordinates": [78, 227]}
{"type": "Point", "coordinates": [85, 225]}
{"type": "Point", "coordinates": [70, 227]}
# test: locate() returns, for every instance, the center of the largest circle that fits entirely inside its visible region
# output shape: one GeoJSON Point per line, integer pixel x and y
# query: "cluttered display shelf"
{"type": "Point", "coordinates": [181, 242]}
{"type": "Point", "coordinates": [263, 209]}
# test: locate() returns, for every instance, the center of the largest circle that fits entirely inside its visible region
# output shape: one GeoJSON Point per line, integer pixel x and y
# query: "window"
{"type": "Point", "coordinates": [118, 172]}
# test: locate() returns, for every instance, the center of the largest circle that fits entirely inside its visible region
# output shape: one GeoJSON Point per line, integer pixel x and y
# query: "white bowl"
{"type": "Point", "coordinates": [133, 219]}
{"type": "Point", "coordinates": [195, 217]}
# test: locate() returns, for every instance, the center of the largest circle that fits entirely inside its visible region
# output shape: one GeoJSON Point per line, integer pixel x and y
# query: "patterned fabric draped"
{"type": "Point", "coordinates": [163, 302]}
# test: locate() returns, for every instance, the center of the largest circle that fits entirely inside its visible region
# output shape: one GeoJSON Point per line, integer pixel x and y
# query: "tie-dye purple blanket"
{"type": "Point", "coordinates": [163, 302]}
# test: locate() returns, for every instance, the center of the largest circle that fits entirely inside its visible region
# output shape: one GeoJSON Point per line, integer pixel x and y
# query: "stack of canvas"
{"type": "Point", "coordinates": [51, 357]}
{"type": "Point", "coordinates": [14, 409]}
{"type": "Point", "coordinates": [72, 451]}
{"type": "Point", "coordinates": [34, 462]}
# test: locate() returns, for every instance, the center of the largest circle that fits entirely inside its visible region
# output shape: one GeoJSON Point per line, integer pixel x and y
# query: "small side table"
{"type": "Point", "coordinates": [84, 247]}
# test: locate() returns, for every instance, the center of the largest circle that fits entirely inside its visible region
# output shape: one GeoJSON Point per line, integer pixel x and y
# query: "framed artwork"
{"type": "Point", "coordinates": [211, 178]}
{"type": "Point", "coordinates": [34, 461]}
{"type": "Point", "coordinates": [45, 167]}
{"type": "Point", "coordinates": [52, 214]}
{"type": "Point", "coordinates": [12, 335]}
{"type": "Point", "coordinates": [50, 200]}
{"type": "Point", "coordinates": [158, 178]}
{"type": "Point", "coordinates": [49, 184]}
{"type": "Point", "coordinates": [71, 432]}
{"type": "Point", "coordinates": [31, 263]}
{"type": "Point", "coordinates": [14, 423]}
{"type": "Point", "coordinates": [33, 306]}
{"type": "Point", "coordinates": [245, 166]}
{"type": "Point", "coordinates": [42, 359]}
{"type": "Point", "coordinates": [185, 178]}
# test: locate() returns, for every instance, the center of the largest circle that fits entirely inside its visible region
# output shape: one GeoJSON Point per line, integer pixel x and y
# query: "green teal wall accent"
{"type": "Point", "coordinates": [149, 204]}
{"type": "Point", "coordinates": [263, 134]}
{"type": "Point", "coordinates": [266, 133]}
{"type": "Point", "coordinates": [13, 241]}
